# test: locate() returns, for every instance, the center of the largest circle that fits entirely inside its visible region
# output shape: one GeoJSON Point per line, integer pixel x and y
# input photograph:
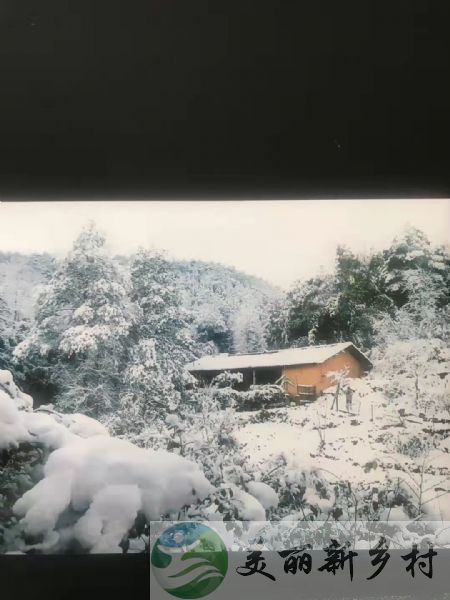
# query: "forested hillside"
{"type": "Point", "coordinates": [21, 278]}
{"type": "Point", "coordinates": [223, 301]}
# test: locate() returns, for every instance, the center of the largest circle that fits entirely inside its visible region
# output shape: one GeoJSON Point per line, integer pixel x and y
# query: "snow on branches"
{"type": "Point", "coordinates": [94, 486]}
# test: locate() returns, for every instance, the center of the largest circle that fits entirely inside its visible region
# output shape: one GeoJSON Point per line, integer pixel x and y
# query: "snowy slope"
{"type": "Point", "coordinates": [356, 448]}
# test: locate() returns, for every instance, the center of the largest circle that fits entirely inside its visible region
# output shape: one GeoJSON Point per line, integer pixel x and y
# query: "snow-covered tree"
{"type": "Point", "coordinates": [4, 334]}
{"type": "Point", "coordinates": [160, 344]}
{"type": "Point", "coordinates": [12, 328]}
{"type": "Point", "coordinates": [249, 327]}
{"type": "Point", "coordinates": [424, 314]}
{"type": "Point", "coordinates": [276, 333]}
{"type": "Point", "coordinates": [311, 311]}
{"type": "Point", "coordinates": [215, 295]}
{"type": "Point", "coordinates": [412, 342]}
{"type": "Point", "coordinates": [345, 304]}
{"type": "Point", "coordinates": [413, 253]}
{"type": "Point", "coordinates": [82, 321]}
{"type": "Point", "coordinates": [21, 276]}
{"type": "Point", "coordinates": [4, 314]}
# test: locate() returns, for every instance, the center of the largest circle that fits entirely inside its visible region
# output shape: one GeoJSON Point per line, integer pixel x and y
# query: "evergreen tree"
{"type": "Point", "coordinates": [160, 345]}
{"type": "Point", "coordinates": [82, 321]}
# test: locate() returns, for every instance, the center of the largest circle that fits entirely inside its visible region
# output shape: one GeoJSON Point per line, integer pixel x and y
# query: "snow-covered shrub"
{"type": "Point", "coordinates": [93, 487]}
{"type": "Point", "coordinates": [415, 373]}
{"type": "Point", "coordinates": [20, 469]}
{"type": "Point", "coordinates": [226, 397]}
{"type": "Point", "coordinates": [412, 446]}
{"type": "Point", "coordinates": [101, 484]}
{"type": "Point", "coordinates": [264, 493]}
{"type": "Point", "coordinates": [229, 503]}
{"type": "Point", "coordinates": [202, 431]}
{"type": "Point", "coordinates": [303, 494]}
{"type": "Point", "coordinates": [227, 379]}
{"type": "Point", "coordinates": [261, 396]}
{"type": "Point", "coordinates": [209, 437]}
{"type": "Point", "coordinates": [314, 494]}
{"type": "Point", "coordinates": [20, 457]}
{"type": "Point", "coordinates": [13, 430]}
{"type": "Point", "coordinates": [205, 434]}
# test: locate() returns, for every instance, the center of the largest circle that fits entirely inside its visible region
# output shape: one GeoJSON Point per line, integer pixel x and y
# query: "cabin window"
{"type": "Point", "coordinates": [306, 391]}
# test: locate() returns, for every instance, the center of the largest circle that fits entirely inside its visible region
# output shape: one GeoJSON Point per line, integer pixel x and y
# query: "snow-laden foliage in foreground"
{"type": "Point", "coordinates": [107, 482]}
{"type": "Point", "coordinates": [93, 486]}
{"type": "Point", "coordinates": [13, 430]}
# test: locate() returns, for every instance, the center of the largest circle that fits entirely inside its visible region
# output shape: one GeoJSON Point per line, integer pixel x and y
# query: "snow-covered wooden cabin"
{"type": "Point", "coordinates": [303, 372]}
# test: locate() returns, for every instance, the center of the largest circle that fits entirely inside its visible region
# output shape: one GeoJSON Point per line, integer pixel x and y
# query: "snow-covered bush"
{"type": "Point", "coordinates": [415, 373]}
{"type": "Point", "coordinates": [204, 432]}
{"type": "Point", "coordinates": [264, 493]}
{"type": "Point", "coordinates": [255, 398]}
{"type": "Point", "coordinates": [72, 487]}
{"type": "Point", "coordinates": [93, 486]}
{"type": "Point", "coordinates": [101, 484]}
{"type": "Point", "coordinates": [261, 396]}
{"type": "Point", "coordinates": [226, 397]}
{"type": "Point", "coordinates": [206, 436]}
{"type": "Point", "coordinates": [227, 379]}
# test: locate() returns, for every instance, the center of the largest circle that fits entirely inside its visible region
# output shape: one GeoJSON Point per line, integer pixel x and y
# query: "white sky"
{"type": "Point", "coordinates": [278, 240]}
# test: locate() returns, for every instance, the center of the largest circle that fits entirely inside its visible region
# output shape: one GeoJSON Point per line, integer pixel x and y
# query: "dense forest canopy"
{"type": "Point", "coordinates": [346, 304]}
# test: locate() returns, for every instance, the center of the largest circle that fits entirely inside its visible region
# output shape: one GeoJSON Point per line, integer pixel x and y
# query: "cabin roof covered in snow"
{"type": "Point", "coordinates": [280, 358]}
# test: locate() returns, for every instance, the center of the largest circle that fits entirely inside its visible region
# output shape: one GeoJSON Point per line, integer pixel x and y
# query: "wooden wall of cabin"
{"type": "Point", "coordinates": [317, 374]}
{"type": "Point", "coordinates": [301, 375]}
{"type": "Point", "coordinates": [337, 363]}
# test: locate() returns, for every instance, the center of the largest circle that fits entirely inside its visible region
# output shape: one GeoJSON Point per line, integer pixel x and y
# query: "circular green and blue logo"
{"type": "Point", "coordinates": [189, 560]}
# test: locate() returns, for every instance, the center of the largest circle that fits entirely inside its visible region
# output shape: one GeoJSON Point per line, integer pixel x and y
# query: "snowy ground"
{"type": "Point", "coordinates": [355, 448]}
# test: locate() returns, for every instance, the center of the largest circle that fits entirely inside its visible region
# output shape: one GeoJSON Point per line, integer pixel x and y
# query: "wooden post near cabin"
{"type": "Point", "coordinates": [336, 397]}
{"type": "Point", "coordinates": [254, 377]}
